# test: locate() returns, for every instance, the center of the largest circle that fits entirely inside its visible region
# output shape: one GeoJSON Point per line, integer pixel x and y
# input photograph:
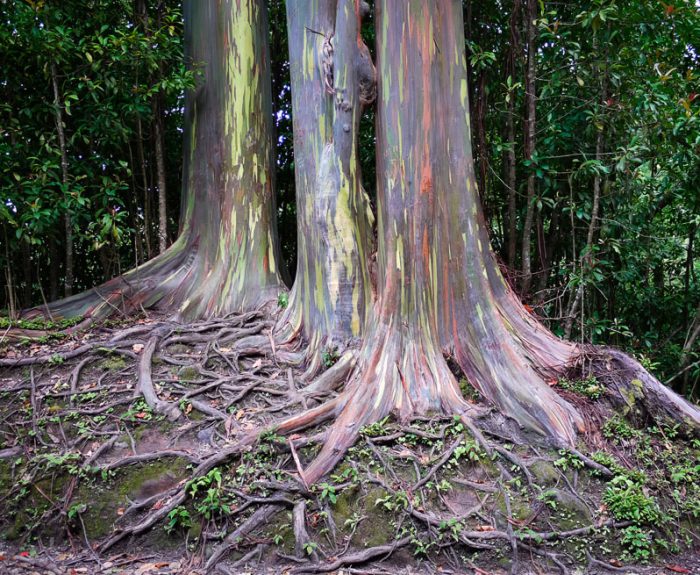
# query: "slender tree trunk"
{"type": "Point", "coordinates": [67, 220]}
{"type": "Point", "coordinates": [511, 176]}
{"type": "Point", "coordinates": [530, 138]}
{"type": "Point", "coordinates": [332, 74]}
{"type": "Point", "coordinates": [9, 278]}
{"type": "Point", "coordinates": [135, 220]}
{"type": "Point", "coordinates": [587, 258]}
{"type": "Point", "coordinates": [548, 248]}
{"type": "Point", "coordinates": [27, 273]}
{"type": "Point", "coordinates": [147, 219]}
{"type": "Point", "coordinates": [53, 269]}
{"type": "Point", "coordinates": [158, 141]}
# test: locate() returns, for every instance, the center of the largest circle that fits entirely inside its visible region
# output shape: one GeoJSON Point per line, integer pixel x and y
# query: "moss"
{"type": "Point", "coordinates": [544, 472]}
{"type": "Point", "coordinates": [187, 373]}
{"type": "Point", "coordinates": [374, 529]}
{"type": "Point", "coordinates": [570, 512]}
{"type": "Point", "coordinates": [5, 476]}
{"type": "Point", "coordinates": [103, 499]}
{"type": "Point", "coordinates": [519, 508]}
{"type": "Point", "coordinates": [113, 363]}
{"type": "Point", "coordinates": [282, 534]}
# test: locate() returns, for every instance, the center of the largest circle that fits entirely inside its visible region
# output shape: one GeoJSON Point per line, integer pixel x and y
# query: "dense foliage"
{"type": "Point", "coordinates": [616, 159]}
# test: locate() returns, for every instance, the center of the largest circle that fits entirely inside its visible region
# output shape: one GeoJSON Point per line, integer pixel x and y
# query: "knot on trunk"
{"type": "Point", "coordinates": [366, 76]}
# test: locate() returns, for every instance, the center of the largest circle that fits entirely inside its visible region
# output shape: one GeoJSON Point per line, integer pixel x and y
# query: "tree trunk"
{"type": "Point", "coordinates": [226, 258]}
{"type": "Point", "coordinates": [332, 73]}
{"type": "Point", "coordinates": [159, 143]}
{"type": "Point", "coordinates": [511, 180]}
{"type": "Point", "coordinates": [587, 258]}
{"type": "Point", "coordinates": [530, 138]}
{"type": "Point", "coordinates": [146, 194]}
{"type": "Point", "coordinates": [440, 288]}
{"type": "Point", "coordinates": [67, 220]}
{"type": "Point", "coordinates": [160, 168]}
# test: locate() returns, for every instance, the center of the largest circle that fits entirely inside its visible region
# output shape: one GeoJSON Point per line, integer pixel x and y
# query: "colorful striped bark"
{"type": "Point", "coordinates": [226, 258]}
{"type": "Point", "coordinates": [329, 300]}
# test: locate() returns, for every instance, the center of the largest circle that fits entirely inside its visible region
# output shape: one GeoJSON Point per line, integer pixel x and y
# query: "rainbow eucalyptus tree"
{"type": "Point", "coordinates": [226, 257]}
{"type": "Point", "coordinates": [440, 290]}
{"type": "Point", "coordinates": [332, 77]}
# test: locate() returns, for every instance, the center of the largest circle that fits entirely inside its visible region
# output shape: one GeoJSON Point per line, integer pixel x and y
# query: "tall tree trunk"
{"type": "Point", "coordinates": [147, 219]}
{"type": "Point", "coordinates": [226, 258]}
{"type": "Point", "coordinates": [440, 288]}
{"type": "Point", "coordinates": [435, 266]}
{"type": "Point", "coordinates": [587, 257]}
{"type": "Point", "coordinates": [548, 248]}
{"type": "Point", "coordinates": [332, 73]}
{"type": "Point", "coordinates": [134, 205]}
{"type": "Point", "coordinates": [530, 139]}
{"type": "Point", "coordinates": [511, 180]}
{"type": "Point", "coordinates": [27, 273]}
{"type": "Point", "coordinates": [158, 141]}
{"type": "Point", "coordinates": [67, 220]}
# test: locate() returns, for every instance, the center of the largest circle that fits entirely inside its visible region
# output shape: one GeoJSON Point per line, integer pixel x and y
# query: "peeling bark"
{"type": "Point", "coordinates": [440, 288]}
{"type": "Point", "coordinates": [332, 73]}
{"type": "Point", "coordinates": [226, 258]}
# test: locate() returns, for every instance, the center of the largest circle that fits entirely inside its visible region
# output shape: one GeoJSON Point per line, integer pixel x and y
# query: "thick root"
{"type": "Point", "coordinates": [634, 391]}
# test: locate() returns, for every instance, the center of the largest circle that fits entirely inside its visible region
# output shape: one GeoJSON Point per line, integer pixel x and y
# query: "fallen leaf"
{"type": "Point", "coordinates": [137, 347]}
{"type": "Point", "coordinates": [24, 554]}
{"type": "Point", "coordinates": [677, 569]}
{"type": "Point", "coordinates": [120, 511]}
{"type": "Point", "coordinates": [485, 528]}
{"type": "Point", "coordinates": [616, 563]}
{"type": "Point", "coordinates": [160, 565]}
{"type": "Point", "coordinates": [188, 409]}
{"type": "Point", "coordinates": [141, 415]}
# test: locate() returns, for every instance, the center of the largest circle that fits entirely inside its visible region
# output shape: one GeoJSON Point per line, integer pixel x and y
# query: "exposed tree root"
{"type": "Point", "coordinates": [240, 383]}
{"type": "Point", "coordinates": [633, 390]}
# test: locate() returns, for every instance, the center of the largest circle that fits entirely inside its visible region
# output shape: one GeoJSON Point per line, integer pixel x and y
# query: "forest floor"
{"type": "Point", "coordinates": [145, 446]}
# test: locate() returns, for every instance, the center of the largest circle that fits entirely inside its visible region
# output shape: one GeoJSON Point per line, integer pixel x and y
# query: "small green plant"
{"type": "Point", "coordinates": [394, 502]}
{"type": "Point", "coordinates": [178, 518]}
{"type": "Point", "coordinates": [588, 387]}
{"type": "Point", "coordinates": [627, 501]}
{"type": "Point", "coordinates": [329, 357]}
{"type": "Point", "coordinates": [310, 547]}
{"type": "Point", "coordinates": [283, 300]}
{"type": "Point", "coordinates": [353, 521]}
{"type": "Point", "coordinates": [76, 510]}
{"type": "Point", "coordinates": [617, 428]}
{"type": "Point", "coordinates": [328, 493]}
{"type": "Point", "coordinates": [453, 527]}
{"type": "Point", "coordinates": [568, 460]}
{"type": "Point", "coordinates": [56, 359]}
{"type": "Point", "coordinates": [549, 498]}
{"type": "Point", "coordinates": [637, 544]}
{"type": "Point", "coordinates": [468, 449]}
{"type": "Point", "coordinates": [375, 429]}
